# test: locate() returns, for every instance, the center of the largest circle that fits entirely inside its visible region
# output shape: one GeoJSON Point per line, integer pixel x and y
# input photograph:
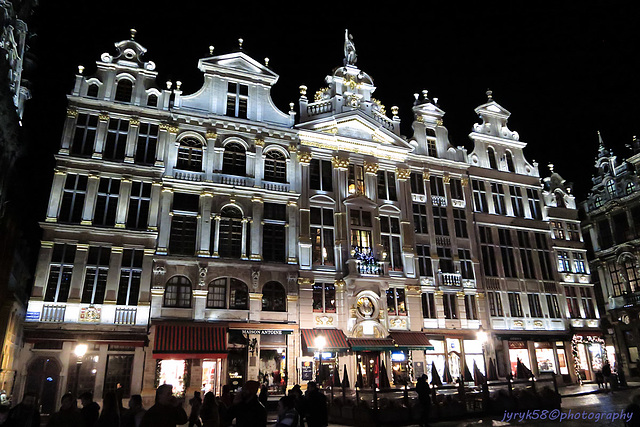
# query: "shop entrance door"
{"type": "Point", "coordinates": [369, 364]}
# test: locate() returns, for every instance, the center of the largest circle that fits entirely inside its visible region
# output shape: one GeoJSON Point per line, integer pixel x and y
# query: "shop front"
{"type": "Point", "coordinates": [590, 353]}
{"type": "Point", "coordinates": [452, 356]}
{"type": "Point", "coordinates": [402, 363]}
{"type": "Point", "coordinates": [370, 359]}
{"type": "Point", "coordinates": [540, 354]}
{"type": "Point", "coordinates": [321, 352]}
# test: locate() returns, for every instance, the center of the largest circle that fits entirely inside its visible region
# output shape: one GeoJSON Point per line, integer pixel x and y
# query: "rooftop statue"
{"type": "Point", "coordinates": [350, 56]}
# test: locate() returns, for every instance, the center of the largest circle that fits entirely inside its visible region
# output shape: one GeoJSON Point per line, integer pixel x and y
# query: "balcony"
{"type": "Point", "coordinates": [125, 316]}
{"type": "Point", "coordinates": [363, 263]}
{"type": "Point", "coordinates": [188, 175]}
{"type": "Point", "coordinates": [370, 269]}
{"type": "Point", "coordinates": [100, 314]}
{"type": "Point", "coordinates": [275, 186]}
{"type": "Point", "coordinates": [53, 313]}
{"type": "Point", "coordinates": [233, 180]}
{"type": "Point", "coordinates": [438, 201]}
{"type": "Point", "coordinates": [631, 299]}
{"type": "Point", "coordinates": [450, 279]}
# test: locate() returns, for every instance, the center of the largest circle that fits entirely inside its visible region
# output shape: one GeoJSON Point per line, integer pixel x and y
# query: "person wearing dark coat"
{"type": "Point", "coordinates": [166, 412]}
{"type": "Point", "coordinates": [209, 411]}
{"type": "Point", "coordinates": [606, 373]}
{"type": "Point", "coordinates": [132, 417]}
{"type": "Point", "coordinates": [315, 406]}
{"type": "Point", "coordinates": [90, 410]}
{"type": "Point", "coordinates": [110, 416]}
{"type": "Point", "coordinates": [263, 397]}
{"type": "Point", "coordinates": [25, 413]}
{"type": "Point", "coordinates": [424, 398]}
{"type": "Point", "coordinates": [247, 409]}
{"type": "Point", "coordinates": [224, 407]}
{"type": "Point", "coordinates": [68, 415]}
{"type": "Point", "coordinates": [196, 404]}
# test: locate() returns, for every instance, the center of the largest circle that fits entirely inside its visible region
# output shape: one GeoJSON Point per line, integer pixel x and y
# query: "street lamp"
{"type": "Point", "coordinates": [79, 351]}
{"type": "Point", "coordinates": [482, 336]}
{"type": "Point", "coordinates": [320, 341]}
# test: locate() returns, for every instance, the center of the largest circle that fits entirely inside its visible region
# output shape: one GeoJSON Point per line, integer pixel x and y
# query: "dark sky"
{"type": "Point", "coordinates": [563, 69]}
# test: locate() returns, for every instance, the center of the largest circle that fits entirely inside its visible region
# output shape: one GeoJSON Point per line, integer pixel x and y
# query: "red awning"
{"type": "Point", "coordinates": [190, 342]}
{"type": "Point", "coordinates": [411, 340]}
{"type": "Point", "coordinates": [375, 344]}
{"type": "Point", "coordinates": [335, 339]}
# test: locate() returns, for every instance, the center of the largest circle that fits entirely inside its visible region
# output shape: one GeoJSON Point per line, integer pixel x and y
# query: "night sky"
{"type": "Point", "coordinates": [564, 69]}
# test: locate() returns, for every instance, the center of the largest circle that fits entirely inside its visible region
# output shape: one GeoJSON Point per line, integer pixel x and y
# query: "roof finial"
{"type": "Point", "coordinates": [133, 33]}
{"type": "Point", "coordinates": [266, 61]}
{"type": "Point", "coordinates": [350, 56]}
{"type": "Point", "coordinates": [210, 50]}
{"type": "Point", "coordinates": [551, 167]}
{"type": "Point", "coordinates": [240, 41]}
{"type": "Point", "coordinates": [489, 95]}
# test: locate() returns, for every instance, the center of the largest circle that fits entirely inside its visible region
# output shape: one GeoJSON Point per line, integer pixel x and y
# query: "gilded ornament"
{"type": "Point", "coordinates": [72, 112]}
{"type": "Point", "coordinates": [211, 135]}
{"type": "Point", "coordinates": [103, 117]}
{"type": "Point", "coordinates": [134, 121]}
{"type": "Point", "coordinates": [259, 142]}
{"type": "Point", "coordinates": [371, 167]}
{"type": "Point", "coordinates": [340, 162]}
{"type": "Point", "coordinates": [403, 173]}
{"type": "Point", "coordinates": [304, 157]}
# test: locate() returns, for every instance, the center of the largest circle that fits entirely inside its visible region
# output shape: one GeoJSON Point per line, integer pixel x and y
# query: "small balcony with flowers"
{"type": "Point", "coordinates": [363, 263]}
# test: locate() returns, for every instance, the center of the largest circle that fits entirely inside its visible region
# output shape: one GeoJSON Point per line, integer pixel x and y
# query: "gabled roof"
{"type": "Point", "coordinates": [492, 108]}
{"type": "Point", "coordinates": [239, 65]}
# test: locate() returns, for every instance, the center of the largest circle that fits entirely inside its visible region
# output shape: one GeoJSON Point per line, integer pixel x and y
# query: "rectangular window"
{"type": "Point", "coordinates": [614, 276]}
{"type": "Point", "coordinates": [573, 231]}
{"type": "Point", "coordinates": [390, 235]}
{"type": "Point", "coordinates": [424, 261]}
{"type": "Point", "coordinates": [507, 252]}
{"type": "Point", "coordinates": [320, 175]}
{"type": "Point", "coordinates": [517, 202]}
{"type": "Point", "coordinates": [438, 195]}
{"type": "Point", "coordinates": [479, 196]}
{"type": "Point", "coordinates": [515, 306]}
{"type": "Point", "coordinates": [495, 304]}
{"type": "Point", "coordinates": [396, 305]}
{"type": "Point", "coordinates": [544, 256]}
{"type": "Point", "coordinates": [139, 201]}
{"type": "Point", "coordinates": [450, 304]}
{"type": "Point", "coordinates": [182, 240]}
{"type": "Point", "coordinates": [432, 149]}
{"type": "Point", "coordinates": [60, 271]}
{"type": "Point", "coordinates": [85, 135]}
{"type": "Point", "coordinates": [535, 309]}
{"type": "Point", "coordinates": [116, 144]}
{"type": "Point", "coordinates": [466, 265]}
{"type": "Point", "coordinates": [587, 303]}
{"type": "Point", "coordinates": [526, 255]}
{"type": "Point", "coordinates": [147, 144]}
{"type": "Point", "coordinates": [460, 223]}
{"type": "Point", "coordinates": [572, 302]}
{"type": "Point", "coordinates": [107, 202]}
{"type": "Point", "coordinates": [579, 265]}
{"type": "Point", "coordinates": [420, 219]}
{"type": "Point", "coordinates": [456, 189]}
{"type": "Point", "coordinates": [445, 260]}
{"type": "Point", "coordinates": [130, 276]}
{"type": "Point", "coordinates": [361, 229]}
{"type": "Point", "coordinates": [387, 185]}
{"type": "Point", "coordinates": [604, 234]}
{"type": "Point", "coordinates": [553, 307]}
{"type": "Point", "coordinates": [324, 298]}
{"type": "Point", "coordinates": [440, 223]}
{"type": "Point", "coordinates": [118, 374]}
{"type": "Point", "coordinates": [273, 242]}
{"type": "Point", "coordinates": [355, 183]}
{"type": "Point", "coordinates": [488, 252]}
{"type": "Point", "coordinates": [417, 183]}
{"type": "Point", "coordinates": [237, 100]}
{"type": "Point", "coordinates": [534, 203]}
{"type": "Point", "coordinates": [428, 305]}
{"type": "Point", "coordinates": [73, 196]}
{"type": "Point", "coordinates": [564, 265]}
{"type": "Point", "coordinates": [95, 279]}
{"type": "Point", "coordinates": [499, 206]}
{"type": "Point", "coordinates": [322, 236]}
{"type": "Point", "coordinates": [470, 307]}
{"type": "Point", "coordinates": [557, 230]}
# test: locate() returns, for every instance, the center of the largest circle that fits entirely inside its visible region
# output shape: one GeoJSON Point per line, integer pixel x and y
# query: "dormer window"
{"type": "Point", "coordinates": [237, 99]}
{"type": "Point", "coordinates": [124, 89]}
{"type": "Point", "coordinates": [190, 155]}
{"type": "Point", "coordinates": [491, 153]}
{"type": "Point", "coordinates": [630, 188]}
{"type": "Point", "coordinates": [152, 100]}
{"type": "Point", "coordinates": [92, 90]}
{"type": "Point", "coordinates": [611, 187]}
{"type": "Point", "coordinates": [510, 166]}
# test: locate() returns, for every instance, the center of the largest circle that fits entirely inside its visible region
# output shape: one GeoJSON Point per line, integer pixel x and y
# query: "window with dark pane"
{"type": "Point", "coordinates": [147, 144]}
{"type": "Point", "coordinates": [92, 90]}
{"type": "Point", "coordinates": [321, 175]}
{"type": "Point", "coordinates": [387, 185]}
{"type": "Point", "coordinates": [390, 235]}
{"type": "Point", "coordinates": [321, 230]}
{"type": "Point", "coordinates": [534, 203]}
{"type": "Point", "coordinates": [73, 197]}
{"type": "Point", "coordinates": [238, 295]}
{"type": "Point", "coordinates": [417, 182]}
{"type": "Point", "coordinates": [466, 264]}
{"type": "Point", "coordinates": [493, 161]}
{"type": "Point", "coordinates": [124, 90]}
{"type": "Point", "coordinates": [237, 100]}
{"type": "Point", "coordinates": [85, 135]}
{"type": "Point", "coordinates": [428, 305]}
{"type": "Point", "coordinates": [95, 278]}
{"type": "Point", "coordinates": [152, 100]}
{"type": "Point", "coordinates": [139, 202]}
{"type": "Point", "coordinates": [470, 307]}
{"type": "Point", "coordinates": [116, 142]}
{"type": "Point", "coordinates": [420, 219]}
{"type": "Point", "coordinates": [515, 306]}
{"type": "Point", "coordinates": [117, 378]}
{"type": "Point", "coordinates": [440, 221]}
{"type": "Point", "coordinates": [275, 166]}
{"type": "Point", "coordinates": [230, 243]}
{"type": "Point", "coordinates": [217, 293]}
{"type": "Point", "coordinates": [189, 155]}
{"type": "Point", "coordinates": [450, 304]}
{"type": "Point", "coordinates": [130, 276]}
{"type": "Point", "coordinates": [460, 223]}
{"type": "Point", "coordinates": [517, 202]}
{"type": "Point", "coordinates": [535, 309]}
{"type": "Point", "coordinates": [479, 196]}
{"type": "Point", "coordinates": [177, 292]}
{"type": "Point", "coordinates": [106, 202]}
{"type": "Point", "coordinates": [446, 260]}
{"type": "Point", "coordinates": [424, 260]}
{"type": "Point", "coordinates": [274, 297]}
{"type": "Point", "coordinates": [457, 192]}
{"type": "Point", "coordinates": [499, 205]}
{"type": "Point", "coordinates": [507, 252]}
{"type": "Point", "coordinates": [60, 272]}
{"type": "Point", "coordinates": [234, 159]}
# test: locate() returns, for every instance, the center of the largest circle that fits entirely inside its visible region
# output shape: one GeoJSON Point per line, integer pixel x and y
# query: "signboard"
{"type": "Point", "coordinates": [32, 316]}
{"type": "Point", "coordinates": [418, 369]}
{"type": "Point", "coordinates": [266, 332]}
{"type": "Point", "coordinates": [307, 371]}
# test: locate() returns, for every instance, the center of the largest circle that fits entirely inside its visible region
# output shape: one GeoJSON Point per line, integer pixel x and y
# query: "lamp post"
{"type": "Point", "coordinates": [482, 336]}
{"type": "Point", "coordinates": [79, 351]}
{"type": "Point", "coordinates": [320, 341]}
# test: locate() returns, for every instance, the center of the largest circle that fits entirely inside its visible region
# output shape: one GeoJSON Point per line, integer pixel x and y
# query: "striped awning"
{"type": "Point", "coordinates": [190, 342]}
{"type": "Point", "coordinates": [411, 340]}
{"type": "Point", "coordinates": [376, 344]}
{"type": "Point", "coordinates": [335, 339]}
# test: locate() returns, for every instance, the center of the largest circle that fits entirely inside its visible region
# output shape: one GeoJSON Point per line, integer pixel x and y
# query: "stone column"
{"type": "Point", "coordinates": [113, 277]}
{"type": "Point", "coordinates": [216, 242]}
{"type": "Point", "coordinates": [77, 278]}
{"type": "Point", "coordinates": [204, 224]}
{"type": "Point", "coordinates": [154, 205]}
{"type": "Point", "coordinates": [123, 203]}
{"type": "Point", "coordinates": [90, 199]}
{"type": "Point", "coordinates": [243, 245]}
{"type": "Point", "coordinates": [55, 199]}
{"type": "Point", "coordinates": [199, 303]}
{"type": "Point", "coordinates": [209, 165]}
{"type": "Point", "coordinates": [101, 135]}
{"type": "Point", "coordinates": [292, 166]}
{"type": "Point", "coordinates": [305, 244]}
{"type": "Point", "coordinates": [146, 277]}
{"type": "Point", "coordinates": [255, 306]}
{"type": "Point", "coordinates": [292, 233]}
{"type": "Point", "coordinates": [42, 270]}
{"type": "Point", "coordinates": [341, 164]}
{"type": "Point", "coordinates": [68, 130]}
{"type": "Point", "coordinates": [164, 231]}
{"type": "Point", "coordinates": [132, 139]}
{"type": "Point", "coordinates": [256, 229]}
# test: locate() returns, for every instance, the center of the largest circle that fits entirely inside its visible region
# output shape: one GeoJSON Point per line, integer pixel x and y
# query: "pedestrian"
{"type": "Point", "coordinates": [132, 417]}
{"type": "Point", "coordinates": [599, 379]}
{"type": "Point", "coordinates": [315, 406]}
{"type": "Point", "coordinates": [424, 399]}
{"type": "Point", "coordinates": [25, 413]}
{"type": "Point", "coordinates": [224, 407]}
{"type": "Point", "coordinates": [247, 409]}
{"type": "Point", "coordinates": [264, 395]}
{"type": "Point", "coordinates": [634, 410]}
{"type": "Point", "coordinates": [298, 396]}
{"type": "Point", "coordinates": [90, 410]}
{"type": "Point", "coordinates": [167, 410]}
{"type": "Point", "coordinates": [110, 415]}
{"type": "Point", "coordinates": [606, 373]}
{"type": "Point", "coordinates": [209, 411]}
{"type": "Point", "coordinates": [196, 404]}
{"type": "Point", "coordinates": [68, 415]}
{"type": "Point", "coordinates": [287, 414]}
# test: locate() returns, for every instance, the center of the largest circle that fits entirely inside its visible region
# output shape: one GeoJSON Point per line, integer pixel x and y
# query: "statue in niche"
{"type": "Point", "coordinates": [350, 56]}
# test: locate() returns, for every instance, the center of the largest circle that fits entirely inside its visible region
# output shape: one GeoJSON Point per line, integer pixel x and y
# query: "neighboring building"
{"type": "Point", "coordinates": [207, 239]}
{"type": "Point", "coordinates": [15, 251]}
{"type": "Point", "coordinates": [612, 224]}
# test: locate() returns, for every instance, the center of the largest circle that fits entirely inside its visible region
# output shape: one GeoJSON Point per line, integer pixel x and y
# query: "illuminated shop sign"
{"type": "Point", "coordinates": [266, 332]}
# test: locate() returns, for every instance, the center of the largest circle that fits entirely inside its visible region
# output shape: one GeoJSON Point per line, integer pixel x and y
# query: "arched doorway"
{"type": "Point", "coordinates": [43, 375]}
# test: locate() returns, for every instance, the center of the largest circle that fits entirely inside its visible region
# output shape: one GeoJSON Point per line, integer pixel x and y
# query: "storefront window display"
{"type": "Point", "coordinates": [400, 367]}
{"type": "Point", "coordinates": [589, 355]}
{"type": "Point", "coordinates": [454, 355]}
{"type": "Point", "coordinates": [272, 366]}
{"type": "Point", "coordinates": [473, 354]}
{"type": "Point", "coordinates": [435, 358]}
{"type": "Point", "coordinates": [562, 358]}
{"type": "Point", "coordinates": [172, 372]}
{"type": "Point", "coordinates": [545, 357]}
{"type": "Point", "coordinates": [518, 351]}
{"type": "Point", "coordinates": [211, 376]}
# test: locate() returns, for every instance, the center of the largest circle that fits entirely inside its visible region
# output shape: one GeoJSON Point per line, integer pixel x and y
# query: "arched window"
{"type": "Point", "coordinates": [235, 289]}
{"type": "Point", "coordinates": [92, 90]}
{"type": "Point", "coordinates": [559, 199]}
{"type": "Point", "coordinates": [152, 100]}
{"type": "Point", "coordinates": [275, 166]}
{"type": "Point", "coordinates": [124, 89]}
{"type": "Point", "coordinates": [177, 292]}
{"type": "Point", "coordinates": [190, 155]}
{"type": "Point", "coordinates": [491, 153]}
{"type": "Point", "coordinates": [510, 166]}
{"type": "Point", "coordinates": [274, 297]}
{"type": "Point", "coordinates": [630, 188]}
{"type": "Point", "coordinates": [230, 243]}
{"type": "Point", "coordinates": [234, 160]}
{"type": "Point", "coordinates": [611, 187]}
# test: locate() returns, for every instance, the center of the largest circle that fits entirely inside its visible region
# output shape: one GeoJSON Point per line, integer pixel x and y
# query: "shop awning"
{"type": "Point", "coordinates": [190, 342]}
{"type": "Point", "coordinates": [335, 339]}
{"type": "Point", "coordinates": [375, 344]}
{"type": "Point", "coordinates": [411, 340]}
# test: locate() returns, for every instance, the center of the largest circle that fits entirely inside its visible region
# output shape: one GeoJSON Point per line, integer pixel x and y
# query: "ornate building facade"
{"type": "Point", "coordinates": [209, 238]}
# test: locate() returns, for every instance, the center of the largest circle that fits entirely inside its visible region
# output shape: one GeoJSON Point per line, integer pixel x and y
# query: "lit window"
{"type": "Point", "coordinates": [324, 298]}
{"type": "Point", "coordinates": [322, 236]}
{"type": "Point", "coordinates": [396, 305]}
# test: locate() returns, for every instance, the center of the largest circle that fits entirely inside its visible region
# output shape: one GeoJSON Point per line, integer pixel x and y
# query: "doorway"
{"type": "Point", "coordinates": [369, 366]}
{"type": "Point", "coordinates": [43, 375]}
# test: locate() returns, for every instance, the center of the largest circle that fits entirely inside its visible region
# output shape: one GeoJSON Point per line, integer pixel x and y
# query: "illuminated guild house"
{"type": "Point", "coordinates": [612, 225]}
{"type": "Point", "coordinates": [207, 239]}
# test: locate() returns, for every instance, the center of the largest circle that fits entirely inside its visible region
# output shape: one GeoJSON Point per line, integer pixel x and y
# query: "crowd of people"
{"type": "Point", "coordinates": [246, 407]}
